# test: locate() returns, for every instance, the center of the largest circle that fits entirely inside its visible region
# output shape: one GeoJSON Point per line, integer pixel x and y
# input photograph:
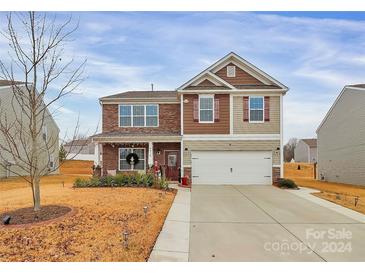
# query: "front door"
{"type": "Point", "coordinates": [172, 164]}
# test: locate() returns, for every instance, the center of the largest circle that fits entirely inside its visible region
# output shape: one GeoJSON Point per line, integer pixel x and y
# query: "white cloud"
{"type": "Point", "coordinates": [127, 51]}
{"type": "Point", "coordinates": [97, 27]}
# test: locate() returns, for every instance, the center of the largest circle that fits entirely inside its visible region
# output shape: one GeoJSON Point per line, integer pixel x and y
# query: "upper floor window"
{"type": "Point", "coordinates": [138, 115]}
{"type": "Point", "coordinates": [231, 71]}
{"type": "Point", "coordinates": [51, 162]}
{"type": "Point", "coordinates": [256, 109]}
{"type": "Point", "coordinates": [206, 108]}
{"type": "Point", "coordinates": [44, 133]}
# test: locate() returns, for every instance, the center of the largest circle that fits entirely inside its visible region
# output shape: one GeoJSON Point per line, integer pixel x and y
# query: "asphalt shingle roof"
{"type": "Point", "coordinates": [4, 83]}
{"type": "Point", "coordinates": [358, 86]}
{"type": "Point", "coordinates": [310, 142]}
{"type": "Point", "coordinates": [142, 94]}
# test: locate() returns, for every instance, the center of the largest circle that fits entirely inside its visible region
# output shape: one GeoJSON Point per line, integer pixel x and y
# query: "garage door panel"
{"type": "Point", "coordinates": [231, 167]}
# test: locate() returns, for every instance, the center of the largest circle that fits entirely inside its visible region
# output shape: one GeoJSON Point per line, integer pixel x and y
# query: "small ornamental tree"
{"type": "Point", "coordinates": [62, 154]}
{"type": "Point", "coordinates": [41, 74]}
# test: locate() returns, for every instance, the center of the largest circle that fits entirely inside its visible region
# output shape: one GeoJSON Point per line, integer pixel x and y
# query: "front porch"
{"type": "Point", "coordinates": [166, 155]}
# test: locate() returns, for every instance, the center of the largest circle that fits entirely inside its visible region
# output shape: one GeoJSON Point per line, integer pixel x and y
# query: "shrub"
{"type": "Point", "coordinates": [120, 180]}
{"type": "Point", "coordinates": [106, 181]}
{"type": "Point", "coordinates": [287, 183]}
{"type": "Point", "coordinates": [161, 183]}
{"type": "Point", "coordinates": [85, 182]}
{"type": "Point", "coordinates": [147, 180]}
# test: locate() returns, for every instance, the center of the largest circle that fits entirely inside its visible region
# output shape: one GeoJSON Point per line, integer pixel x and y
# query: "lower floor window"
{"type": "Point", "coordinates": [124, 152]}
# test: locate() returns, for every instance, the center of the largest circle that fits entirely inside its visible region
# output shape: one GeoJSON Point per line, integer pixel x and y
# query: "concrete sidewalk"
{"type": "Point", "coordinates": [172, 244]}
{"type": "Point", "coordinates": [306, 193]}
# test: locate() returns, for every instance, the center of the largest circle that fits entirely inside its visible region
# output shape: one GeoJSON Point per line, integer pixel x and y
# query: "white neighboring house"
{"type": "Point", "coordinates": [81, 149]}
{"type": "Point", "coordinates": [341, 138]}
{"type": "Point", "coordinates": [9, 111]}
{"type": "Point", "coordinates": [306, 151]}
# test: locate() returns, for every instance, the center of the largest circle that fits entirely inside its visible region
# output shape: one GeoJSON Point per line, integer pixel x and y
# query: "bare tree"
{"type": "Point", "coordinates": [46, 74]}
{"type": "Point", "coordinates": [289, 149]}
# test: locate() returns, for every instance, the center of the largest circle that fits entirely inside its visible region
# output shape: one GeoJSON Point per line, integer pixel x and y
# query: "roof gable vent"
{"type": "Point", "coordinates": [231, 71]}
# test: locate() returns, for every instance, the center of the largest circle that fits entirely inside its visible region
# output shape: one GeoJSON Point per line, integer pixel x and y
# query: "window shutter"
{"type": "Point", "coordinates": [267, 108]}
{"type": "Point", "coordinates": [245, 108]}
{"type": "Point", "coordinates": [216, 110]}
{"type": "Point", "coordinates": [196, 110]}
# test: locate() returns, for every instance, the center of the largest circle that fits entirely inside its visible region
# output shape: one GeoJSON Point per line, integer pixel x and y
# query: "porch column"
{"type": "Point", "coordinates": [150, 154]}
{"type": "Point", "coordinates": [96, 155]}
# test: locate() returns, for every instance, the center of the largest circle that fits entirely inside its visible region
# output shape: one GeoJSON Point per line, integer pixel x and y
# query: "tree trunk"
{"type": "Point", "coordinates": [37, 194]}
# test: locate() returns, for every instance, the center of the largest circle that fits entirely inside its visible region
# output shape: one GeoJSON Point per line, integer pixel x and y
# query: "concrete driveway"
{"type": "Point", "coordinates": [264, 223]}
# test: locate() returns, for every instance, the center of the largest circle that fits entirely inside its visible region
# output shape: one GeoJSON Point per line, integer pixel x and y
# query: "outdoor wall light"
{"type": "Point", "coordinates": [158, 152]}
{"type": "Point", "coordinates": [186, 101]}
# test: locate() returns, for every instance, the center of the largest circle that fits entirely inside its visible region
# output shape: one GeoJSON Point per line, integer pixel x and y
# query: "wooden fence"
{"type": "Point", "coordinates": [306, 170]}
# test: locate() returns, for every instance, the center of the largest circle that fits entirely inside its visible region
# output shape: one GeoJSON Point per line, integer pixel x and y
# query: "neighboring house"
{"type": "Point", "coordinates": [341, 138]}
{"type": "Point", "coordinates": [10, 110]}
{"type": "Point", "coordinates": [224, 126]}
{"type": "Point", "coordinates": [80, 149]}
{"type": "Point", "coordinates": [306, 151]}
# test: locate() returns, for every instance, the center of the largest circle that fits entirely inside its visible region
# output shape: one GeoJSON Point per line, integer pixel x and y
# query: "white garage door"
{"type": "Point", "coordinates": [231, 167]}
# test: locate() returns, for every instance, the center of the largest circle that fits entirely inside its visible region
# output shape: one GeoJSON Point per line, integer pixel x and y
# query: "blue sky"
{"type": "Point", "coordinates": [314, 53]}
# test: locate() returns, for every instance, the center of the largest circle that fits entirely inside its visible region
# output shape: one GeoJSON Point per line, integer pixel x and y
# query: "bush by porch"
{"type": "Point", "coordinates": [123, 180]}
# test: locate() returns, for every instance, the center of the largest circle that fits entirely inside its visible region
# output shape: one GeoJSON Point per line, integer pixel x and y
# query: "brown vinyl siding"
{"type": "Point", "coordinates": [242, 77]}
{"type": "Point", "coordinates": [247, 145]}
{"type": "Point", "coordinates": [221, 127]}
{"type": "Point", "coordinates": [169, 120]}
{"type": "Point", "coordinates": [206, 83]}
{"type": "Point", "coordinates": [269, 127]}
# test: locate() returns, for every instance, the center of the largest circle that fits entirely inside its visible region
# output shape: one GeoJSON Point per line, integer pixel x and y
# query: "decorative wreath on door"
{"type": "Point", "coordinates": [135, 158]}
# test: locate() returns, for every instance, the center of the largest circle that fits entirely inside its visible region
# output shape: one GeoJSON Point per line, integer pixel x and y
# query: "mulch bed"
{"type": "Point", "coordinates": [29, 216]}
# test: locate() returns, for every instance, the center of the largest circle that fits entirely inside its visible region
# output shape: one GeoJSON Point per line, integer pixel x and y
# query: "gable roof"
{"type": "Point", "coordinates": [244, 65]}
{"type": "Point", "coordinates": [78, 142]}
{"type": "Point", "coordinates": [5, 83]}
{"type": "Point", "coordinates": [310, 142]}
{"type": "Point", "coordinates": [141, 95]}
{"type": "Point", "coordinates": [345, 88]}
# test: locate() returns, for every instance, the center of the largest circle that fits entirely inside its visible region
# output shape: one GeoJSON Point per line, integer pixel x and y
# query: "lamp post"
{"type": "Point", "coordinates": [145, 209]}
{"type": "Point", "coordinates": [356, 200]}
{"type": "Point", "coordinates": [125, 239]}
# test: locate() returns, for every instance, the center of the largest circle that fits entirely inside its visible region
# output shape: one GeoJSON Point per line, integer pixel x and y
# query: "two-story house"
{"type": "Point", "coordinates": [14, 134]}
{"type": "Point", "coordinates": [224, 126]}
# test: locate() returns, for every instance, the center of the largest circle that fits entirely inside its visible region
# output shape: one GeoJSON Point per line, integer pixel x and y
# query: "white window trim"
{"type": "Point", "coordinates": [206, 96]}
{"type": "Point", "coordinates": [145, 115]}
{"type": "Point", "coordinates": [133, 148]}
{"type": "Point", "coordinates": [263, 110]}
{"type": "Point", "coordinates": [234, 71]}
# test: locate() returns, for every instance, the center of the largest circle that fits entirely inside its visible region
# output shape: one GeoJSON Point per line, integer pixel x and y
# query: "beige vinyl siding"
{"type": "Point", "coordinates": [271, 127]}
{"type": "Point", "coordinates": [6, 96]}
{"type": "Point", "coordinates": [232, 145]}
{"type": "Point", "coordinates": [341, 140]}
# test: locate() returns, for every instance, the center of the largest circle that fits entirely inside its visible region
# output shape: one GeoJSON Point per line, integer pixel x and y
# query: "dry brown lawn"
{"type": "Point", "coordinates": [76, 167]}
{"type": "Point", "coordinates": [339, 193]}
{"type": "Point", "coordinates": [94, 232]}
